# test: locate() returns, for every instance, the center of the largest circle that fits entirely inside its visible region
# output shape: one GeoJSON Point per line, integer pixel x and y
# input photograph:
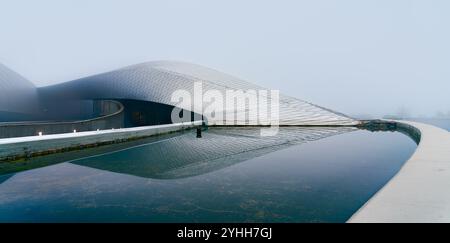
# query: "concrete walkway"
{"type": "Point", "coordinates": [40, 145]}
{"type": "Point", "coordinates": [420, 192]}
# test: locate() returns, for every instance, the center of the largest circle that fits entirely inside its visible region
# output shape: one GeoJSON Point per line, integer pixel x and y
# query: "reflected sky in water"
{"type": "Point", "coordinates": [291, 178]}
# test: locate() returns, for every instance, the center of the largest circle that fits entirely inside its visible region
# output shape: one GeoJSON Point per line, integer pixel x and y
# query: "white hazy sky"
{"type": "Point", "coordinates": [357, 57]}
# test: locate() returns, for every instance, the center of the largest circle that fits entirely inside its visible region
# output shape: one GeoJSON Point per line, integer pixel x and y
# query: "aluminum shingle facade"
{"type": "Point", "coordinates": [156, 82]}
{"type": "Point", "coordinates": [17, 94]}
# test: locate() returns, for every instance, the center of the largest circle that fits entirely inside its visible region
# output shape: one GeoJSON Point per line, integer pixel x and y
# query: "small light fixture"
{"type": "Point", "coordinates": [40, 134]}
{"type": "Point", "coordinates": [75, 131]}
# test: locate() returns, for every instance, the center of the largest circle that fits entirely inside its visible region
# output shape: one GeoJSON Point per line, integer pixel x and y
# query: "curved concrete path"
{"type": "Point", "coordinates": [34, 145]}
{"type": "Point", "coordinates": [420, 192]}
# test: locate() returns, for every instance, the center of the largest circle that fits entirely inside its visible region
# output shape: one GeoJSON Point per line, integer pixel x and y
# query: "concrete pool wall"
{"type": "Point", "coordinates": [24, 147]}
{"type": "Point", "coordinates": [420, 191]}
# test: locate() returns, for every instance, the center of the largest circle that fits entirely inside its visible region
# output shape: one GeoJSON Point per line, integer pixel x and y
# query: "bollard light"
{"type": "Point", "coordinates": [199, 132]}
{"type": "Point", "coordinates": [40, 133]}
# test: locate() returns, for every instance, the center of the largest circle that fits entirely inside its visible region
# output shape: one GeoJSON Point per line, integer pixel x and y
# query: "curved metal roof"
{"type": "Point", "coordinates": [156, 82]}
{"type": "Point", "coordinates": [17, 94]}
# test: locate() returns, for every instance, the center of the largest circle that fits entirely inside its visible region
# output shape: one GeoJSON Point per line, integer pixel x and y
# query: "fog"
{"type": "Point", "coordinates": [362, 58]}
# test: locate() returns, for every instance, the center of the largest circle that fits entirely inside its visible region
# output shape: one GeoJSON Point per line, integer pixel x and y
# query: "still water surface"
{"type": "Point", "coordinates": [229, 175]}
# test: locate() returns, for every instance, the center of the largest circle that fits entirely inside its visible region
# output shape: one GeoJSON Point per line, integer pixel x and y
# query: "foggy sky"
{"type": "Point", "coordinates": [357, 57]}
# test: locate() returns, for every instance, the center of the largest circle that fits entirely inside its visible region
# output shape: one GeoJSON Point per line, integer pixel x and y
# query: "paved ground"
{"type": "Point", "coordinates": [420, 192]}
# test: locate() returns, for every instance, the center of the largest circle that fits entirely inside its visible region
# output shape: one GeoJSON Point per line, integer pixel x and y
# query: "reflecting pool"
{"type": "Point", "coordinates": [228, 175]}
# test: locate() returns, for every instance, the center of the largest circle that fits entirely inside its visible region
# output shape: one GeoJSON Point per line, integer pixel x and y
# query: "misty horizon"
{"type": "Point", "coordinates": [365, 59]}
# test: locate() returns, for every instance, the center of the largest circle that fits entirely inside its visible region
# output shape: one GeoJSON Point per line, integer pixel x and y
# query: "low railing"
{"type": "Point", "coordinates": [36, 128]}
{"type": "Point", "coordinates": [13, 149]}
